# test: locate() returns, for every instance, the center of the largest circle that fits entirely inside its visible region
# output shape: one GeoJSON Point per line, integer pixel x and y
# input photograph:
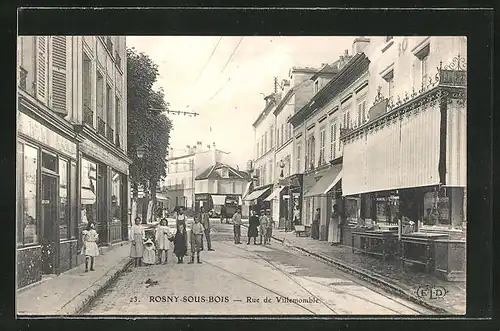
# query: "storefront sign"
{"type": "Point", "coordinates": [99, 152]}
{"type": "Point", "coordinates": [41, 133]}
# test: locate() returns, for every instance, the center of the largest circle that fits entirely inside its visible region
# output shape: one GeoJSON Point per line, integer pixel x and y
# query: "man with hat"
{"type": "Point", "coordinates": [269, 230]}
{"type": "Point", "coordinates": [237, 226]}
{"type": "Point", "coordinates": [264, 225]}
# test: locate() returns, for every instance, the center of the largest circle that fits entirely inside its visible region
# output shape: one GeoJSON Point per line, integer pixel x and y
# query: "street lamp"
{"type": "Point", "coordinates": [282, 165]}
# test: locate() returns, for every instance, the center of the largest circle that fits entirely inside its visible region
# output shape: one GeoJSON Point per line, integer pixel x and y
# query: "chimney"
{"type": "Point", "coordinates": [359, 44]}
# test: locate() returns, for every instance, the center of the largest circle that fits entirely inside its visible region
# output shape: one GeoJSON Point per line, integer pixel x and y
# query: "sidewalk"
{"type": "Point", "coordinates": [386, 274]}
{"type": "Point", "coordinates": [70, 292]}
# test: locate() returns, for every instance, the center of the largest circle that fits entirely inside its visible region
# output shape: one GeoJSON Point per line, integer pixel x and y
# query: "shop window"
{"type": "Point", "coordinates": [19, 193]}
{"type": "Point", "coordinates": [351, 209]}
{"type": "Point", "coordinates": [63, 200]}
{"type": "Point", "coordinates": [436, 209]}
{"type": "Point", "coordinates": [49, 161]}
{"type": "Point", "coordinates": [116, 198]}
{"type": "Point", "coordinates": [88, 192]}
{"type": "Point", "coordinates": [30, 176]}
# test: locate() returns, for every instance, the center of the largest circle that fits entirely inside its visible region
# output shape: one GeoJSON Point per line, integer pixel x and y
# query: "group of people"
{"type": "Point", "coordinates": [260, 226]}
{"type": "Point", "coordinates": [188, 238]}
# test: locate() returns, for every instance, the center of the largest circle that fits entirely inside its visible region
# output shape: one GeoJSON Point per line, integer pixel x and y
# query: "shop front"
{"type": "Point", "coordinates": [257, 198]}
{"type": "Point", "coordinates": [104, 189]}
{"type": "Point", "coordinates": [406, 169]}
{"type": "Point", "coordinates": [47, 181]}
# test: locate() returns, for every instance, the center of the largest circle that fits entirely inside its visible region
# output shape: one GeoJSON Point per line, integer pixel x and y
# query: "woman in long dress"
{"type": "Point", "coordinates": [253, 224]}
{"type": "Point", "coordinates": [333, 227]}
{"type": "Point", "coordinates": [180, 244]}
{"type": "Point", "coordinates": [137, 237]}
{"type": "Point", "coordinates": [90, 249]}
{"type": "Point", "coordinates": [163, 234]}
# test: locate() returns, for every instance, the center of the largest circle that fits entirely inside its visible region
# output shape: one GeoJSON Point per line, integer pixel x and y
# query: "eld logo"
{"type": "Point", "coordinates": [431, 292]}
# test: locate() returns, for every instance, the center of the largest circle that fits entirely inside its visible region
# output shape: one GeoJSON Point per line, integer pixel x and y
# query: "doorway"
{"type": "Point", "coordinates": [49, 220]}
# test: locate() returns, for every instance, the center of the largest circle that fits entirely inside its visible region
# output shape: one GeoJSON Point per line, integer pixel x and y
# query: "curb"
{"type": "Point", "coordinates": [86, 298]}
{"type": "Point", "coordinates": [371, 278]}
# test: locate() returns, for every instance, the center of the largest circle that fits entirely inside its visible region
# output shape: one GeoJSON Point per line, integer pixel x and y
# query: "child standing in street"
{"type": "Point", "coordinates": [137, 237]}
{"type": "Point", "coordinates": [163, 236]}
{"type": "Point", "coordinates": [90, 249]}
{"type": "Point", "coordinates": [149, 256]}
{"type": "Point", "coordinates": [180, 244]}
{"type": "Point", "coordinates": [196, 238]}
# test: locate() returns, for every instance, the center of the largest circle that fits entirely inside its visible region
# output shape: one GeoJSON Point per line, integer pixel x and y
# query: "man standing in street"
{"type": "Point", "coordinates": [237, 226]}
{"type": "Point", "coordinates": [205, 221]}
{"type": "Point", "coordinates": [264, 224]}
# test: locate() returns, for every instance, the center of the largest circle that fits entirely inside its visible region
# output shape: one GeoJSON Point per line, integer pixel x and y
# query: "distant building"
{"type": "Point", "coordinates": [182, 169]}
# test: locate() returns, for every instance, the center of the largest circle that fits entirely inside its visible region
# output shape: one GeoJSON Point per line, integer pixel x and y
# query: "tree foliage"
{"type": "Point", "coordinates": [147, 122]}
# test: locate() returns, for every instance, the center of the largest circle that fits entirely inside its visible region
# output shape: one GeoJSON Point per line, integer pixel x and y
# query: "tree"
{"type": "Point", "coordinates": [148, 125]}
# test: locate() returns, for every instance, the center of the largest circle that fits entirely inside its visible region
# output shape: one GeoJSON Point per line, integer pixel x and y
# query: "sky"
{"type": "Point", "coordinates": [227, 91]}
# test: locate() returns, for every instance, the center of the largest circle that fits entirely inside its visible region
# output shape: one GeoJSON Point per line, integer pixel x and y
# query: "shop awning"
{"type": "Point", "coordinates": [247, 189]}
{"type": "Point", "coordinates": [256, 194]}
{"type": "Point", "coordinates": [160, 196]}
{"type": "Point", "coordinates": [327, 182]}
{"type": "Point", "coordinates": [275, 194]}
{"type": "Point", "coordinates": [219, 199]}
{"type": "Point", "coordinates": [88, 197]}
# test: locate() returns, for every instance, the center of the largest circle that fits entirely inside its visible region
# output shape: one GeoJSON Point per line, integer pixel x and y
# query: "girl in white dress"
{"type": "Point", "coordinates": [149, 256]}
{"type": "Point", "coordinates": [90, 249]}
{"type": "Point", "coordinates": [137, 236]}
{"type": "Point", "coordinates": [163, 235]}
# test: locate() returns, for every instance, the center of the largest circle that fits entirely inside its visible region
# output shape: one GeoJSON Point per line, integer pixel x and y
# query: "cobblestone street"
{"type": "Point", "coordinates": [237, 279]}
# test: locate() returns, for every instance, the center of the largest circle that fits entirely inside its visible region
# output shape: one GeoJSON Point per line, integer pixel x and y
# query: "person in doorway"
{"type": "Point", "coordinates": [180, 242]}
{"type": "Point", "coordinates": [163, 237]}
{"type": "Point", "coordinates": [264, 224]}
{"type": "Point", "coordinates": [315, 224]}
{"type": "Point", "coordinates": [253, 224]}
{"type": "Point", "coordinates": [334, 227]}
{"type": "Point", "coordinates": [270, 225]}
{"type": "Point", "coordinates": [237, 226]}
{"type": "Point", "coordinates": [90, 249]}
{"type": "Point", "coordinates": [205, 221]}
{"type": "Point", "coordinates": [137, 237]}
{"type": "Point", "coordinates": [197, 231]}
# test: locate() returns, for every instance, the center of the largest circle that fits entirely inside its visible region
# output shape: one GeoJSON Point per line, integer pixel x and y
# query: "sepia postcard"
{"type": "Point", "coordinates": [241, 175]}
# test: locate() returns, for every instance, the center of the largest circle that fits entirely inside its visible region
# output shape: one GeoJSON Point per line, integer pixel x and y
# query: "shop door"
{"type": "Point", "coordinates": [49, 226]}
{"type": "Point", "coordinates": [102, 204]}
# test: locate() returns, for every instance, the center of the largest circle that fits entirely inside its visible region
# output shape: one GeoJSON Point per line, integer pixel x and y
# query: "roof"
{"type": "Point", "coordinates": [357, 66]}
{"type": "Point", "coordinates": [192, 154]}
{"type": "Point", "coordinates": [274, 97]}
{"type": "Point", "coordinates": [328, 69]}
{"type": "Point", "coordinates": [212, 174]}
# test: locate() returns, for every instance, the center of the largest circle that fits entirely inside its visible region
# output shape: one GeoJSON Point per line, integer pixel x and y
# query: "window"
{"type": "Point", "coordinates": [100, 95]}
{"type": "Point", "coordinates": [322, 145]}
{"type": "Point", "coordinates": [423, 56]}
{"type": "Point", "coordinates": [284, 133]}
{"type": "Point", "coordinates": [271, 135]}
{"type": "Point", "coordinates": [316, 86]}
{"type": "Point", "coordinates": [109, 112]}
{"type": "Point", "coordinates": [49, 161]}
{"type": "Point", "coordinates": [436, 209]}
{"type": "Point", "coordinates": [333, 139]}
{"type": "Point", "coordinates": [116, 198]}
{"type": "Point", "coordinates": [88, 192]}
{"type": "Point", "coordinates": [389, 78]}
{"type": "Point", "coordinates": [30, 176]}
{"type": "Point", "coordinates": [361, 112]}
{"type": "Point", "coordinates": [117, 121]}
{"type": "Point", "coordinates": [88, 114]}
{"type": "Point", "coordinates": [311, 155]}
{"type": "Point", "coordinates": [63, 200]}
{"type": "Point", "coordinates": [278, 141]}
{"type": "Point", "coordinates": [257, 152]}
{"type": "Point", "coordinates": [298, 157]}
{"type": "Point", "coordinates": [266, 148]}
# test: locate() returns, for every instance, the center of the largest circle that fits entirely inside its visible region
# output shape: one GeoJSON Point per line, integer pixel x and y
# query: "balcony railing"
{"type": "Point", "coordinates": [117, 141]}
{"type": "Point", "coordinates": [88, 115]}
{"type": "Point", "coordinates": [23, 74]}
{"type": "Point", "coordinates": [101, 126]}
{"type": "Point", "coordinates": [110, 133]}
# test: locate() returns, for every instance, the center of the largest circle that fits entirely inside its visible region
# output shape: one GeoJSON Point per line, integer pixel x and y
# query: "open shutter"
{"type": "Point", "coordinates": [41, 68]}
{"type": "Point", "coordinates": [59, 75]}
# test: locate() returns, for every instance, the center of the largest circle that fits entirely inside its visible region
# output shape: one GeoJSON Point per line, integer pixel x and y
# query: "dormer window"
{"type": "Point", "coordinates": [389, 78]}
{"type": "Point", "coordinates": [316, 86]}
{"type": "Point", "coordinates": [423, 56]}
{"type": "Point", "coordinates": [224, 173]}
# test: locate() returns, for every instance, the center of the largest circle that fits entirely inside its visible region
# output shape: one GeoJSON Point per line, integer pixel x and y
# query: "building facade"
{"type": "Point", "coordinates": [71, 161]}
{"type": "Point", "coordinates": [182, 169]}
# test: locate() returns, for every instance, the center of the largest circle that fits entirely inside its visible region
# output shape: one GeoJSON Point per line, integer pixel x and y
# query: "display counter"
{"type": "Point", "coordinates": [420, 248]}
{"type": "Point", "coordinates": [375, 242]}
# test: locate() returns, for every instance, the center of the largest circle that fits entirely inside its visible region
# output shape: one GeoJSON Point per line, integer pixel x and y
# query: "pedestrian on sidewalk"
{"type": "Point", "coordinates": [237, 226]}
{"type": "Point", "coordinates": [269, 231]}
{"type": "Point", "coordinates": [90, 249]}
{"type": "Point", "coordinates": [205, 221]}
{"type": "Point", "coordinates": [137, 237]}
{"type": "Point", "coordinates": [315, 224]}
{"type": "Point", "coordinates": [197, 231]}
{"type": "Point", "coordinates": [264, 224]}
{"type": "Point", "coordinates": [180, 242]}
{"type": "Point", "coordinates": [149, 256]}
{"type": "Point", "coordinates": [253, 224]}
{"type": "Point", "coordinates": [334, 227]}
{"type": "Point", "coordinates": [163, 237]}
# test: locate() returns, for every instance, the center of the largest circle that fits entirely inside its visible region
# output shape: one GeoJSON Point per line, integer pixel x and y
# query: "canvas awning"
{"type": "Point", "coordinates": [219, 199]}
{"type": "Point", "coordinates": [256, 194]}
{"type": "Point", "coordinates": [327, 182]}
{"type": "Point", "coordinates": [88, 197]}
{"type": "Point", "coordinates": [275, 194]}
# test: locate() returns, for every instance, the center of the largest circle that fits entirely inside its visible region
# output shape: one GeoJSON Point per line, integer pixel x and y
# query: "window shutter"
{"type": "Point", "coordinates": [41, 68]}
{"type": "Point", "coordinates": [59, 75]}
